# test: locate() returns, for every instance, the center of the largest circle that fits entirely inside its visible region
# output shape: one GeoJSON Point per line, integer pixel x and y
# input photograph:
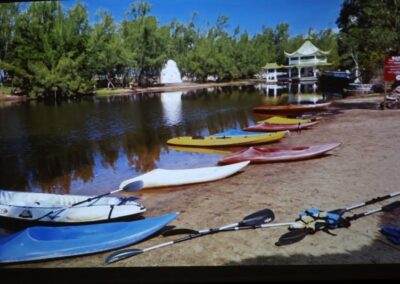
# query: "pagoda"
{"type": "Point", "coordinates": [303, 63]}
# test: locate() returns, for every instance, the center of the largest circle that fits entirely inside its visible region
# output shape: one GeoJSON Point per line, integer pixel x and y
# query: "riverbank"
{"type": "Point", "coordinates": [174, 87]}
{"type": "Point", "coordinates": [364, 166]}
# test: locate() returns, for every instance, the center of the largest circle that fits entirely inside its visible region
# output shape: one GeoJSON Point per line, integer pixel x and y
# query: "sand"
{"type": "Point", "coordinates": [366, 165]}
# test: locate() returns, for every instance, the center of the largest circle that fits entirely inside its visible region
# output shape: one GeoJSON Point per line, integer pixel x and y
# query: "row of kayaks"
{"type": "Point", "coordinates": [265, 131]}
{"type": "Point", "coordinates": [56, 226]}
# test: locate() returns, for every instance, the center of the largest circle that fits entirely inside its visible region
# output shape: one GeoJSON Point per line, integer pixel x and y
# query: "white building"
{"type": "Point", "coordinates": [302, 64]}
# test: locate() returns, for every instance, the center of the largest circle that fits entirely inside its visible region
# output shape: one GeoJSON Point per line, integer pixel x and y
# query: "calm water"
{"type": "Point", "coordinates": [90, 146]}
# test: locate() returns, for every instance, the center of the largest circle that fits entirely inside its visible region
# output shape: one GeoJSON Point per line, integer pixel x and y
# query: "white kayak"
{"type": "Point", "coordinates": [164, 177]}
{"type": "Point", "coordinates": [58, 208]}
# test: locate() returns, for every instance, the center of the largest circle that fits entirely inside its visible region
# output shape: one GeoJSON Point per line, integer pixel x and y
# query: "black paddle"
{"type": "Point", "coordinates": [297, 235]}
{"type": "Point", "coordinates": [130, 187]}
{"type": "Point", "coordinates": [257, 218]}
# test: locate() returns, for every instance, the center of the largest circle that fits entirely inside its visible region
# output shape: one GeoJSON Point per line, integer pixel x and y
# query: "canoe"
{"type": "Point", "coordinates": [234, 132]}
{"type": "Point", "coordinates": [163, 177]}
{"type": "Point", "coordinates": [277, 154]}
{"type": "Point", "coordinates": [291, 108]}
{"type": "Point", "coordinates": [264, 127]}
{"type": "Point", "coordinates": [210, 141]}
{"type": "Point", "coordinates": [27, 207]}
{"type": "Point", "coordinates": [284, 120]}
{"type": "Point", "coordinates": [46, 242]}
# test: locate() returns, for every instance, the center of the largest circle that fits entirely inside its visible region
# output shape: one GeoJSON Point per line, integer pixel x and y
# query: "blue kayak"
{"type": "Point", "coordinates": [39, 243]}
{"type": "Point", "coordinates": [235, 132]}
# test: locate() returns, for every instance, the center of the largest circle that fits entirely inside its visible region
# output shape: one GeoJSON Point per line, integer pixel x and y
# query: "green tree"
{"type": "Point", "coordinates": [369, 30]}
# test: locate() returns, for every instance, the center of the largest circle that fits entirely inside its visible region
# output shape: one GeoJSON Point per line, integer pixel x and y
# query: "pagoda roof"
{"type": "Point", "coordinates": [307, 49]}
{"type": "Point", "coordinates": [273, 65]}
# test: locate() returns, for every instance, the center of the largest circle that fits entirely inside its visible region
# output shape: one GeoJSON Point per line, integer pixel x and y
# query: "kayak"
{"type": "Point", "coordinates": [234, 132]}
{"type": "Point", "coordinates": [277, 154]}
{"type": "Point", "coordinates": [46, 242]}
{"type": "Point", "coordinates": [291, 108]}
{"type": "Point", "coordinates": [284, 120]}
{"type": "Point", "coordinates": [163, 177]}
{"type": "Point", "coordinates": [210, 141]}
{"type": "Point", "coordinates": [263, 127]}
{"type": "Point", "coordinates": [28, 207]}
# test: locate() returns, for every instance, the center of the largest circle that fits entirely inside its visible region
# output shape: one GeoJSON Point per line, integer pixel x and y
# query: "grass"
{"type": "Point", "coordinates": [104, 92]}
{"type": "Point", "coordinates": [4, 91]}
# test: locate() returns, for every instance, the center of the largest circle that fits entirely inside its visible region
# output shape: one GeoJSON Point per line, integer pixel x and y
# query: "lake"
{"type": "Point", "coordinates": [91, 145]}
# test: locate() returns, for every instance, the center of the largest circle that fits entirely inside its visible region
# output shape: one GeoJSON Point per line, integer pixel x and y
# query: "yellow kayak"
{"type": "Point", "coordinates": [284, 120]}
{"type": "Point", "coordinates": [205, 141]}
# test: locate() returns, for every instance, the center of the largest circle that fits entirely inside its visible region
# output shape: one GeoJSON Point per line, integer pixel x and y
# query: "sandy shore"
{"type": "Point", "coordinates": [366, 165]}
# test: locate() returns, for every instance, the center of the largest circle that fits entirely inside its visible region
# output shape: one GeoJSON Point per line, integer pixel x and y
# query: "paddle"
{"type": "Point", "coordinates": [257, 218]}
{"type": "Point", "coordinates": [130, 187]}
{"type": "Point", "coordinates": [297, 235]}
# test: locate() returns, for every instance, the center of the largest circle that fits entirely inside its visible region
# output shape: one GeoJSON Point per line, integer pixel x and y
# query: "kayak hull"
{"type": "Point", "coordinates": [284, 120]}
{"type": "Point", "coordinates": [268, 127]}
{"type": "Point", "coordinates": [164, 177]}
{"type": "Point", "coordinates": [210, 141]}
{"type": "Point", "coordinates": [40, 243]}
{"type": "Point", "coordinates": [30, 208]}
{"type": "Point", "coordinates": [275, 154]}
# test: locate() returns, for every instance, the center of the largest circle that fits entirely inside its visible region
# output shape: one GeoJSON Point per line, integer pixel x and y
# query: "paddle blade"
{"type": "Point", "coordinates": [391, 206]}
{"type": "Point", "coordinates": [122, 254]}
{"type": "Point", "coordinates": [133, 186]}
{"type": "Point", "coordinates": [293, 237]}
{"type": "Point", "coordinates": [258, 218]}
{"type": "Point", "coordinates": [179, 231]}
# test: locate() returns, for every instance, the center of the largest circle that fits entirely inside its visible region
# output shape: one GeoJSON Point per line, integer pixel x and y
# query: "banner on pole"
{"type": "Point", "coordinates": [392, 68]}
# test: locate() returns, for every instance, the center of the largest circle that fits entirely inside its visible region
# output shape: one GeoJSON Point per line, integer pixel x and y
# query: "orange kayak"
{"type": "Point", "coordinates": [277, 154]}
{"type": "Point", "coordinates": [291, 108]}
{"type": "Point", "coordinates": [268, 127]}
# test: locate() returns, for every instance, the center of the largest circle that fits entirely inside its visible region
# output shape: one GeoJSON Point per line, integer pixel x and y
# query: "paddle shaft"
{"type": "Point", "coordinates": [365, 203]}
{"type": "Point", "coordinates": [56, 212]}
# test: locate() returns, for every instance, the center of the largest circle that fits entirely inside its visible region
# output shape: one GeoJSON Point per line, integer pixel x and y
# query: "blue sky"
{"type": "Point", "coordinates": [250, 15]}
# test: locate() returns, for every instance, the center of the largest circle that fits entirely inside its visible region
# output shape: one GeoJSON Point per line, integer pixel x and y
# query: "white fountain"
{"type": "Point", "coordinates": [170, 73]}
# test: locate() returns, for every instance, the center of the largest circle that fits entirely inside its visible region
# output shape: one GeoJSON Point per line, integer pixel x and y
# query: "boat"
{"type": "Point", "coordinates": [27, 208]}
{"type": "Point", "coordinates": [292, 109]}
{"type": "Point", "coordinates": [262, 127]}
{"type": "Point", "coordinates": [48, 242]}
{"type": "Point", "coordinates": [164, 177]}
{"type": "Point", "coordinates": [277, 154]}
{"type": "Point", "coordinates": [358, 88]}
{"type": "Point", "coordinates": [211, 141]}
{"type": "Point", "coordinates": [284, 120]}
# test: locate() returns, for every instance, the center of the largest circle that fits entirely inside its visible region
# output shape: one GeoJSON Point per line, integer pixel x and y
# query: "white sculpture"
{"type": "Point", "coordinates": [170, 73]}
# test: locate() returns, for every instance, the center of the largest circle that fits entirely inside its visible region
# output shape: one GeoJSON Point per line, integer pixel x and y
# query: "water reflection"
{"type": "Point", "coordinates": [172, 107]}
{"type": "Point", "coordinates": [90, 146]}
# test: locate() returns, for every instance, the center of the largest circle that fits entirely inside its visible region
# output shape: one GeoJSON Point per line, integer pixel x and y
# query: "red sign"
{"type": "Point", "coordinates": [392, 68]}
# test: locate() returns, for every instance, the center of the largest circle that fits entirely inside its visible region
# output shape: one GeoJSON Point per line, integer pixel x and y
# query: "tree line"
{"type": "Point", "coordinates": [54, 53]}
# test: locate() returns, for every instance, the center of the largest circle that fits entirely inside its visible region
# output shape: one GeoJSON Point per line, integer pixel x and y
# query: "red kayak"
{"type": "Point", "coordinates": [291, 108]}
{"type": "Point", "coordinates": [277, 154]}
{"type": "Point", "coordinates": [267, 127]}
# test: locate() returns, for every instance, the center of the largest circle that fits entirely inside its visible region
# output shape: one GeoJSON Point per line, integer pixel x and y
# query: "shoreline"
{"type": "Point", "coordinates": [176, 87]}
{"type": "Point", "coordinates": [363, 167]}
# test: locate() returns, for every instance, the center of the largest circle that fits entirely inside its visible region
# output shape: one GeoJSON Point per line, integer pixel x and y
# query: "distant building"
{"type": "Point", "coordinates": [302, 64]}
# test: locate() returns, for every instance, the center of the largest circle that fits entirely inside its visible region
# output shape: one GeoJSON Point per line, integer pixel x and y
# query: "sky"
{"type": "Point", "coordinates": [250, 15]}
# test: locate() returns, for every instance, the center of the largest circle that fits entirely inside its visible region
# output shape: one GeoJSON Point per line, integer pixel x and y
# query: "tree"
{"type": "Point", "coordinates": [369, 30]}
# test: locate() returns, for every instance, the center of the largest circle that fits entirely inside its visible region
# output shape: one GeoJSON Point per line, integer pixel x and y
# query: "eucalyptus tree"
{"type": "Point", "coordinates": [106, 54]}
{"type": "Point", "coordinates": [8, 14]}
{"type": "Point", "coordinates": [145, 41]}
{"type": "Point", "coordinates": [49, 54]}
